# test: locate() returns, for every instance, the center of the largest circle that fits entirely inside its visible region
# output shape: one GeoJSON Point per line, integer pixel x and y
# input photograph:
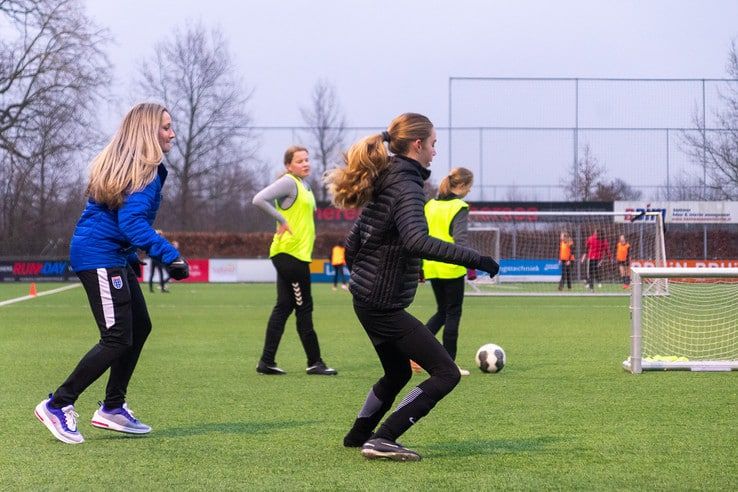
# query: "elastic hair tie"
{"type": "Point", "coordinates": [385, 136]}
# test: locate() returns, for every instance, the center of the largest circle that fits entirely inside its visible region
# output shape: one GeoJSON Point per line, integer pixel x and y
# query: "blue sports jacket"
{"type": "Point", "coordinates": [106, 238]}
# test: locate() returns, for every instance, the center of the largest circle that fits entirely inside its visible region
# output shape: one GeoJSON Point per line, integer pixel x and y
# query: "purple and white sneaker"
{"type": "Point", "coordinates": [62, 422]}
{"type": "Point", "coordinates": [118, 419]}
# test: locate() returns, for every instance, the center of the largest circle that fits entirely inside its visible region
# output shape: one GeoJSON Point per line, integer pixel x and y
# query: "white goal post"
{"type": "Point", "coordinates": [684, 319]}
{"type": "Point", "coordinates": [527, 246]}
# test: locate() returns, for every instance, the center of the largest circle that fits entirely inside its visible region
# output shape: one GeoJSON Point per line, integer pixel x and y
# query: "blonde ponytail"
{"type": "Point", "coordinates": [352, 186]}
{"type": "Point", "coordinates": [458, 176]}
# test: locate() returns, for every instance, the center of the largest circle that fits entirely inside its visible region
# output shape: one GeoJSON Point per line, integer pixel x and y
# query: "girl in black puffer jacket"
{"type": "Point", "coordinates": [383, 253]}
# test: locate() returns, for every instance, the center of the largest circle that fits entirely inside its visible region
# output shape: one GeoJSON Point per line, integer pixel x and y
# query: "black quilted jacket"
{"type": "Point", "coordinates": [386, 243]}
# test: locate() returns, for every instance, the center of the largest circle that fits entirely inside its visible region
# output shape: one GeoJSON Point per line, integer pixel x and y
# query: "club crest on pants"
{"type": "Point", "coordinates": [117, 282]}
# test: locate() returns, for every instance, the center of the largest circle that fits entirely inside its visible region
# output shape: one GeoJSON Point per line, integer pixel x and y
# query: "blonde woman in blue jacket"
{"type": "Point", "coordinates": [447, 220]}
{"type": "Point", "coordinates": [124, 192]}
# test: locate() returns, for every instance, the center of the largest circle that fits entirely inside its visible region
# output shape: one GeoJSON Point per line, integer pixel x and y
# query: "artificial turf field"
{"type": "Point", "coordinates": [561, 415]}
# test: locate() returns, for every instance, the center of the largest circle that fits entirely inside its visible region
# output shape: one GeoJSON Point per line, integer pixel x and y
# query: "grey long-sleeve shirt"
{"type": "Point", "coordinates": [460, 227]}
{"type": "Point", "coordinates": [284, 190]}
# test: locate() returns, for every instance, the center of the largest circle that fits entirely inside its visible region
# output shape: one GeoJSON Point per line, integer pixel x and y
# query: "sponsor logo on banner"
{"type": "Point", "coordinates": [40, 270]}
{"type": "Point", "coordinates": [688, 263]}
{"type": "Point", "coordinates": [530, 270]}
{"type": "Point", "coordinates": [680, 212]}
{"type": "Point", "coordinates": [117, 282]}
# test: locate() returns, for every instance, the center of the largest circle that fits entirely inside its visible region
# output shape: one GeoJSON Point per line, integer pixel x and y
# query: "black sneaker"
{"type": "Point", "coordinates": [273, 370]}
{"type": "Point", "coordinates": [379, 448]}
{"type": "Point", "coordinates": [321, 369]}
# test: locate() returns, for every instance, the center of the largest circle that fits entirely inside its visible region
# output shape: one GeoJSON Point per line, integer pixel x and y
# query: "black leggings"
{"type": "Point", "coordinates": [565, 274]}
{"type": "Point", "coordinates": [338, 271]}
{"type": "Point", "coordinates": [398, 337]}
{"type": "Point", "coordinates": [449, 295]}
{"type": "Point", "coordinates": [123, 320]}
{"type": "Point", "coordinates": [293, 294]}
{"type": "Point", "coordinates": [157, 265]}
{"type": "Point", "coordinates": [594, 273]}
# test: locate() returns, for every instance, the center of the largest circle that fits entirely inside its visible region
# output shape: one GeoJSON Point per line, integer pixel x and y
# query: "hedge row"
{"type": "Point", "coordinates": [242, 245]}
{"type": "Point", "coordinates": [679, 244]}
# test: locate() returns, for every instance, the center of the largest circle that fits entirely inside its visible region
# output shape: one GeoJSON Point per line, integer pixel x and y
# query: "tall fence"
{"type": "Point", "coordinates": [523, 136]}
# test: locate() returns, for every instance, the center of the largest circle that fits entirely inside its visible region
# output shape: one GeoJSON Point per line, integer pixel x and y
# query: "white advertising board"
{"type": "Point", "coordinates": [683, 212]}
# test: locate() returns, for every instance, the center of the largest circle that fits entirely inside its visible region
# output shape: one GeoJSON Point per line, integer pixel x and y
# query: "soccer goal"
{"type": "Point", "coordinates": [684, 319]}
{"type": "Point", "coordinates": [527, 244]}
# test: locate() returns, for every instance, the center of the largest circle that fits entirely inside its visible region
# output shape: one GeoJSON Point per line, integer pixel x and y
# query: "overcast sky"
{"type": "Point", "coordinates": [387, 57]}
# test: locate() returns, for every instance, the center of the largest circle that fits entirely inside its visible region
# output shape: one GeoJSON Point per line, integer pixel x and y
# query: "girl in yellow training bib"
{"type": "Point", "coordinates": [447, 220]}
{"type": "Point", "coordinates": [291, 202]}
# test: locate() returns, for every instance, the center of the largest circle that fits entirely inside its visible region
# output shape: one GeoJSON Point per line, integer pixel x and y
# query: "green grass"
{"type": "Point", "coordinates": [561, 415]}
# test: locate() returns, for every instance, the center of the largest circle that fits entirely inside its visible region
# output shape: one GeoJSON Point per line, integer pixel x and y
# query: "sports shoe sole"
{"type": "Point", "coordinates": [41, 415]}
{"type": "Point", "coordinates": [373, 454]}
{"type": "Point", "coordinates": [270, 372]}
{"type": "Point", "coordinates": [321, 373]}
{"type": "Point", "coordinates": [102, 423]}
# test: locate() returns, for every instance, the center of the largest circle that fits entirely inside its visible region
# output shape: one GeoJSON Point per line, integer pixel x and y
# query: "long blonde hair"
{"type": "Point", "coordinates": [130, 161]}
{"type": "Point", "coordinates": [352, 185]}
{"type": "Point", "coordinates": [458, 176]}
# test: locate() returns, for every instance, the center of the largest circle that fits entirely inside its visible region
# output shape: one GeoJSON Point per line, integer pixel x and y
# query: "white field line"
{"type": "Point", "coordinates": [44, 293]}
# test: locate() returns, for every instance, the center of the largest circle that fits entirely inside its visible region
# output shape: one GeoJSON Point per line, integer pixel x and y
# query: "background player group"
{"type": "Point", "coordinates": [597, 253]}
{"type": "Point", "coordinates": [384, 174]}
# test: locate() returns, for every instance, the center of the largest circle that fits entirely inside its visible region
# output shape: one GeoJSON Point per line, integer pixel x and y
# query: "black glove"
{"type": "Point", "coordinates": [136, 266]}
{"type": "Point", "coordinates": [489, 265]}
{"type": "Point", "coordinates": [179, 269]}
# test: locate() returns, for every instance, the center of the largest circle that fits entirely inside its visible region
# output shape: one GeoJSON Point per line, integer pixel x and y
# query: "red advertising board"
{"type": "Point", "coordinates": [199, 270]}
{"type": "Point", "coordinates": [688, 263]}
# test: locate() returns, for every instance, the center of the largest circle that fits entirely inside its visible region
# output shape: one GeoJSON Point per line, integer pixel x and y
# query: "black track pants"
{"type": "Point", "coordinates": [449, 295]}
{"type": "Point", "coordinates": [293, 294]}
{"type": "Point", "coordinates": [119, 309]}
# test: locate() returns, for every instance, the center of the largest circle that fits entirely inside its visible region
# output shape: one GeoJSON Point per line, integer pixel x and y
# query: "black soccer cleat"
{"type": "Point", "coordinates": [356, 439]}
{"type": "Point", "coordinates": [270, 370]}
{"type": "Point", "coordinates": [319, 368]}
{"type": "Point", "coordinates": [379, 448]}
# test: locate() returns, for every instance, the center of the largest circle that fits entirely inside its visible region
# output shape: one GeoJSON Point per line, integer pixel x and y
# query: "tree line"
{"type": "Point", "coordinates": [55, 76]}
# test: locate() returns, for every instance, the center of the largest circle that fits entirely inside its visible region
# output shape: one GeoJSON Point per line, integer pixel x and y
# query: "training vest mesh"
{"type": "Point", "coordinates": [440, 214]}
{"type": "Point", "coordinates": [300, 218]}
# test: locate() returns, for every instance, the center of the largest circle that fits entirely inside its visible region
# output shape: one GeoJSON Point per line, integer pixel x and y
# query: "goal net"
{"type": "Point", "coordinates": [527, 244]}
{"type": "Point", "coordinates": [684, 318]}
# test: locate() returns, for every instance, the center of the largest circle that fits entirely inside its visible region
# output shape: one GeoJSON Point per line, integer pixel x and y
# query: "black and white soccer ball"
{"type": "Point", "coordinates": [490, 358]}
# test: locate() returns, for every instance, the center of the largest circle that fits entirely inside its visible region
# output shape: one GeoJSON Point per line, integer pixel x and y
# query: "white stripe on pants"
{"type": "Point", "coordinates": [106, 299]}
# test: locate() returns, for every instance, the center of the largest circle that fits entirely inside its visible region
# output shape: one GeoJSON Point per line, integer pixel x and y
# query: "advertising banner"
{"type": "Point", "coordinates": [321, 270]}
{"type": "Point", "coordinates": [199, 270]}
{"type": "Point", "coordinates": [36, 271]}
{"type": "Point", "coordinates": [680, 212]}
{"type": "Point", "coordinates": [689, 263]}
{"type": "Point", "coordinates": [547, 270]}
{"type": "Point", "coordinates": [242, 270]}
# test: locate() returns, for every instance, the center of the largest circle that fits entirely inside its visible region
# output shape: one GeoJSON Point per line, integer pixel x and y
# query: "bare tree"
{"type": "Point", "coordinates": [581, 183]}
{"type": "Point", "coordinates": [516, 193]}
{"type": "Point", "coordinates": [617, 189]}
{"type": "Point", "coordinates": [193, 74]}
{"type": "Point", "coordinates": [53, 73]}
{"type": "Point", "coordinates": [715, 151]}
{"type": "Point", "coordinates": [327, 127]}
{"type": "Point", "coordinates": [686, 188]}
